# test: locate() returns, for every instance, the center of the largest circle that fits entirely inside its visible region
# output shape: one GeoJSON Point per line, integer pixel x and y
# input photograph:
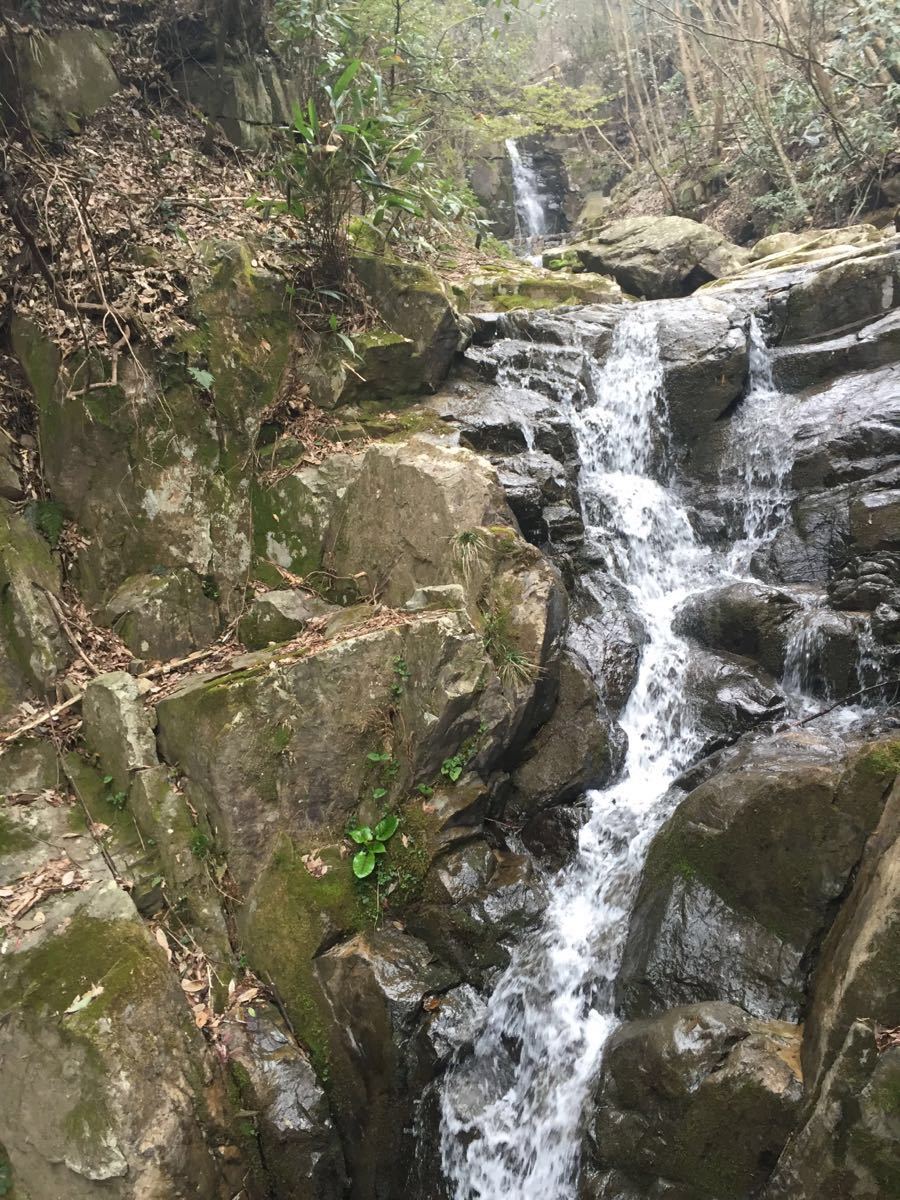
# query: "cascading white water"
{"type": "Point", "coordinates": [530, 216]}
{"type": "Point", "coordinates": [512, 1111]}
{"type": "Point", "coordinates": [760, 454]}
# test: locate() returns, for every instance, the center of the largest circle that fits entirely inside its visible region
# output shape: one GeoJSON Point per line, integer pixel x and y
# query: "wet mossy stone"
{"type": "Point", "coordinates": [745, 878]}
{"type": "Point", "coordinates": [60, 77]}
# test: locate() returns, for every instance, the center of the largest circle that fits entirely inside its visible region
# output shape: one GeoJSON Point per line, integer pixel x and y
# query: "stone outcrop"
{"type": "Point", "coordinates": [655, 257]}
{"type": "Point", "coordinates": [672, 1093]}
{"type": "Point", "coordinates": [744, 880]}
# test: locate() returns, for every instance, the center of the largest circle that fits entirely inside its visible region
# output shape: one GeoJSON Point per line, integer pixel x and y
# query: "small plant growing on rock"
{"type": "Point", "coordinates": [401, 673]}
{"type": "Point", "coordinates": [116, 800]}
{"type": "Point", "coordinates": [372, 842]}
{"type": "Point", "coordinates": [467, 545]}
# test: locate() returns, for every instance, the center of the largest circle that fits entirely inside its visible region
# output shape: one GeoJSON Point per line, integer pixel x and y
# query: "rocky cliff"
{"type": "Point", "coordinates": [307, 665]}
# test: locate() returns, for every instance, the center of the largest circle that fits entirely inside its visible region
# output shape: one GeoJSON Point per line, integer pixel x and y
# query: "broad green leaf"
{"type": "Point", "coordinates": [377, 793]}
{"type": "Point", "coordinates": [346, 78]}
{"type": "Point", "coordinates": [386, 828]}
{"type": "Point", "coordinates": [361, 835]}
{"type": "Point", "coordinates": [363, 864]}
{"type": "Point", "coordinates": [378, 848]}
{"type": "Point", "coordinates": [202, 378]}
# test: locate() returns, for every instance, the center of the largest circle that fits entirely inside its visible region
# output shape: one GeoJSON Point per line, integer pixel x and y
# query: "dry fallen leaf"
{"type": "Point", "coordinates": [84, 999]}
{"type": "Point", "coordinates": [163, 941]}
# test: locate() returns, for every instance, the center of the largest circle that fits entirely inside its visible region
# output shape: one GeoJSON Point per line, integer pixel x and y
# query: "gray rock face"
{"type": "Point", "coordinates": [298, 1143]}
{"type": "Point", "coordinates": [655, 257]}
{"type": "Point", "coordinates": [842, 295]}
{"type": "Point", "coordinates": [579, 748]}
{"type": "Point", "coordinates": [749, 619]}
{"type": "Point", "coordinates": [279, 616]}
{"type": "Point", "coordinates": [376, 985]}
{"type": "Point", "coordinates": [674, 1091]}
{"type": "Point", "coordinates": [478, 904]}
{"type": "Point", "coordinates": [728, 696]}
{"type": "Point", "coordinates": [745, 878]}
{"type": "Point", "coordinates": [848, 1144]}
{"type": "Point", "coordinates": [163, 616]}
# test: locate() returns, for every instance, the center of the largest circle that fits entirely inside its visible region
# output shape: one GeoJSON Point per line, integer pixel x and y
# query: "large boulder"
{"type": "Point", "coordinates": [54, 80]}
{"type": "Point", "coordinates": [34, 652]}
{"type": "Point", "coordinates": [856, 976]}
{"type": "Point", "coordinates": [298, 1145]}
{"type": "Point", "coordinates": [749, 619]}
{"type": "Point", "coordinates": [656, 257]}
{"type": "Point", "coordinates": [104, 1072]}
{"type": "Point", "coordinates": [147, 465]}
{"type": "Point", "coordinates": [672, 1094]}
{"type": "Point", "coordinates": [842, 294]}
{"type": "Point", "coordinates": [848, 1144]}
{"type": "Point", "coordinates": [282, 743]}
{"type": "Point", "coordinates": [376, 986]}
{"type": "Point", "coordinates": [744, 880]}
{"type": "Point", "coordinates": [579, 748]}
{"type": "Point", "coordinates": [164, 615]}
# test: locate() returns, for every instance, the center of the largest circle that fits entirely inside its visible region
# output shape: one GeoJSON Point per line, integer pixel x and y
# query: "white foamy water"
{"type": "Point", "coordinates": [530, 216]}
{"type": "Point", "coordinates": [512, 1111]}
{"type": "Point", "coordinates": [760, 454]}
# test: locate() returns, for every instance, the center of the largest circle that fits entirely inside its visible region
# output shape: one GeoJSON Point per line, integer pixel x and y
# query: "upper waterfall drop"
{"type": "Point", "coordinates": [531, 219]}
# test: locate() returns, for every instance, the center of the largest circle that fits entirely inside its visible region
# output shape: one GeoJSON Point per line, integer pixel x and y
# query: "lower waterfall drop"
{"type": "Point", "coordinates": [512, 1111]}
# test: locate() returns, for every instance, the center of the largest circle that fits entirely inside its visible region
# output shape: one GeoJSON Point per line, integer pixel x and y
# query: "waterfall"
{"type": "Point", "coordinates": [513, 1109]}
{"type": "Point", "coordinates": [531, 220]}
{"type": "Point", "coordinates": [512, 1112]}
{"type": "Point", "coordinates": [760, 453]}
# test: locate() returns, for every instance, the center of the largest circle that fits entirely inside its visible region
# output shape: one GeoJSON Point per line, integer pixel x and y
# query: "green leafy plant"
{"type": "Point", "coordinates": [402, 673]}
{"type": "Point", "coordinates": [453, 767]}
{"type": "Point", "coordinates": [116, 800]}
{"type": "Point", "coordinates": [201, 844]}
{"type": "Point", "coordinates": [202, 378]}
{"type": "Point", "coordinates": [512, 665]}
{"type": "Point", "coordinates": [373, 842]}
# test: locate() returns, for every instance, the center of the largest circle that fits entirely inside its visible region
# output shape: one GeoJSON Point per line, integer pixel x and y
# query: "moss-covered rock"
{"type": "Point", "coordinates": [164, 615]}
{"type": "Point", "coordinates": [513, 286]}
{"type": "Point", "coordinates": [33, 649]}
{"type": "Point", "coordinates": [655, 257]}
{"type": "Point", "coordinates": [674, 1090]}
{"type": "Point", "coordinates": [154, 469]}
{"type": "Point", "coordinates": [279, 616]}
{"type": "Point", "coordinates": [283, 744]}
{"type": "Point", "coordinates": [745, 879]}
{"type": "Point", "coordinates": [105, 1073]}
{"type": "Point", "coordinates": [58, 77]}
{"type": "Point", "coordinates": [848, 1144]}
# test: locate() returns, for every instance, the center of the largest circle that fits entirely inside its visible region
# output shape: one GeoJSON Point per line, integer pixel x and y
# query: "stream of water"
{"type": "Point", "coordinates": [531, 220]}
{"type": "Point", "coordinates": [513, 1109]}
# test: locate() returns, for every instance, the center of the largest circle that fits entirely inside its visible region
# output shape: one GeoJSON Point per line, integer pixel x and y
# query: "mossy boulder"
{"type": "Point", "coordinates": [33, 650]}
{"type": "Point", "coordinates": [675, 1089]}
{"type": "Point", "coordinates": [415, 309]}
{"type": "Point", "coordinates": [808, 239]}
{"type": "Point", "coordinates": [745, 878]}
{"type": "Point", "coordinates": [164, 615]}
{"type": "Point", "coordinates": [105, 1072]}
{"type": "Point", "coordinates": [291, 515]}
{"type": "Point", "coordinates": [117, 727]}
{"type": "Point", "coordinates": [376, 985]}
{"type": "Point", "coordinates": [283, 743]}
{"type": "Point", "coordinates": [153, 468]}
{"type": "Point", "coordinates": [513, 286]}
{"type": "Point", "coordinates": [843, 294]}
{"type": "Point", "coordinates": [848, 1144]}
{"type": "Point", "coordinates": [279, 616]}
{"type": "Point", "coordinates": [298, 1146]}
{"type": "Point", "coordinates": [58, 77]}
{"type": "Point", "coordinates": [856, 978]}
{"type": "Point", "coordinates": [656, 257]}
